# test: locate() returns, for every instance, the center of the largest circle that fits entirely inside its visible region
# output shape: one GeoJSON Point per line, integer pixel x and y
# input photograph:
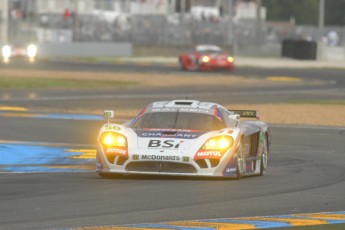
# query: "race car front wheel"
{"type": "Point", "coordinates": [241, 161]}
{"type": "Point", "coordinates": [264, 158]}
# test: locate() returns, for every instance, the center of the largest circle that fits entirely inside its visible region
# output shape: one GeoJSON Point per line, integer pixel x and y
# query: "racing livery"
{"type": "Point", "coordinates": [206, 57]}
{"type": "Point", "coordinates": [186, 138]}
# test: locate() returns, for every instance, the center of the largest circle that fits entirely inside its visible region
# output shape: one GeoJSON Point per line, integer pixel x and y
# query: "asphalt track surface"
{"type": "Point", "coordinates": [58, 65]}
{"type": "Point", "coordinates": [331, 87]}
{"type": "Point", "coordinates": [305, 174]}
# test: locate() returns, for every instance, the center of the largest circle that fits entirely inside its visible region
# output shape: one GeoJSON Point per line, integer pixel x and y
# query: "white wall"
{"type": "Point", "coordinates": [329, 53]}
{"type": "Point", "coordinates": [58, 6]}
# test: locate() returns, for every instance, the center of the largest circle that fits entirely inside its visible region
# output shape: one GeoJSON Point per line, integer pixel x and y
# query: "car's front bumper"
{"type": "Point", "coordinates": [216, 65]}
{"type": "Point", "coordinates": [172, 168]}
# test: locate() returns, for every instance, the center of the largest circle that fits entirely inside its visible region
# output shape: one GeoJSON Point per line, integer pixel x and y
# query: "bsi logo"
{"type": "Point", "coordinates": [167, 144]}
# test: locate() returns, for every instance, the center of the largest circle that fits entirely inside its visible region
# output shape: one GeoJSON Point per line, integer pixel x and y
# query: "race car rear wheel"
{"type": "Point", "coordinates": [264, 158]}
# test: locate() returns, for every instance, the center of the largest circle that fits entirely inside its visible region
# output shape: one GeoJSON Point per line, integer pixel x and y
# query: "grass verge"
{"type": "Point", "coordinates": [34, 83]}
{"type": "Point", "coordinates": [284, 114]}
{"type": "Point", "coordinates": [318, 102]}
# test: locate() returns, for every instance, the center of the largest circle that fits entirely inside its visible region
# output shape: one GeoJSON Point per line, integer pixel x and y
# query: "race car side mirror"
{"type": "Point", "coordinates": [234, 119]}
{"type": "Point", "coordinates": [109, 114]}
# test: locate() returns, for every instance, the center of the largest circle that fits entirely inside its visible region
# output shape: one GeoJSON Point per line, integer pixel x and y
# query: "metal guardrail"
{"type": "Point", "coordinates": [85, 49]}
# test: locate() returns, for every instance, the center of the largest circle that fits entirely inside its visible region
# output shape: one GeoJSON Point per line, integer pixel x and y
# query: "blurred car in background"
{"type": "Point", "coordinates": [206, 57]}
{"type": "Point", "coordinates": [16, 51]}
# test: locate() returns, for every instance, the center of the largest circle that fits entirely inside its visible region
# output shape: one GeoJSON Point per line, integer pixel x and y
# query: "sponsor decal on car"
{"type": "Point", "coordinates": [170, 130]}
{"type": "Point", "coordinates": [171, 134]}
{"type": "Point", "coordinates": [135, 157]}
{"type": "Point", "coordinates": [160, 158]}
{"type": "Point", "coordinates": [207, 154]}
{"type": "Point", "coordinates": [163, 110]}
{"type": "Point", "coordinates": [185, 159]}
{"type": "Point", "coordinates": [218, 114]}
{"type": "Point", "coordinates": [167, 144]}
{"type": "Point", "coordinates": [229, 170]}
{"type": "Point", "coordinates": [117, 151]}
{"type": "Point", "coordinates": [193, 110]}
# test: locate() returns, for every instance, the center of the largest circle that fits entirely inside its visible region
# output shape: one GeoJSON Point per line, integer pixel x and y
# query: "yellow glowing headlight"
{"type": "Point", "coordinates": [6, 51]}
{"type": "Point", "coordinates": [211, 144]}
{"type": "Point", "coordinates": [224, 143]}
{"type": "Point", "coordinates": [205, 59]}
{"type": "Point", "coordinates": [231, 59]}
{"type": "Point", "coordinates": [121, 141]}
{"type": "Point", "coordinates": [32, 51]}
{"type": "Point", "coordinates": [113, 139]}
{"type": "Point", "coordinates": [221, 143]}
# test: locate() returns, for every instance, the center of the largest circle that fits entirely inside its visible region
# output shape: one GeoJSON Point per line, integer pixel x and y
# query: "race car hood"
{"type": "Point", "coordinates": [216, 56]}
{"type": "Point", "coordinates": [168, 140]}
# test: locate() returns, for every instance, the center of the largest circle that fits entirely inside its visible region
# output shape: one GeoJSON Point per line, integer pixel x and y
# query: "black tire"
{"type": "Point", "coordinates": [241, 162]}
{"type": "Point", "coordinates": [264, 159]}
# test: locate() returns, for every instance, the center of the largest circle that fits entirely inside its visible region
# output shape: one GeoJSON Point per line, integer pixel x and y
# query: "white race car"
{"type": "Point", "coordinates": [184, 138]}
{"type": "Point", "coordinates": [19, 51]}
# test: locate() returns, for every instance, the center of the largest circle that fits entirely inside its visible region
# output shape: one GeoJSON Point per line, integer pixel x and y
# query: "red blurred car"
{"type": "Point", "coordinates": [206, 57]}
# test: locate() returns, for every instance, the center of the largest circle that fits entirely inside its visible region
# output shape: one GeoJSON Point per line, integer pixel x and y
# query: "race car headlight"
{"type": "Point", "coordinates": [6, 51]}
{"type": "Point", "coordinates": [221, 143]}
{"type": "Point", "coordinates": [231, 59]}
{"type": "Point", "coordinates": [32, 51]}
{"type": "Point", "coordinates": [205, 59]}
{"type": "Point", "coordinates": [111, 139]}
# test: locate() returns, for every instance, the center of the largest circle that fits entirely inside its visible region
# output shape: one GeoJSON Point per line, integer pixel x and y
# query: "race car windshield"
{"type": "Point", "coordinates": [179, 120]}
{"type": "Point", "coordinates": [210, 51]}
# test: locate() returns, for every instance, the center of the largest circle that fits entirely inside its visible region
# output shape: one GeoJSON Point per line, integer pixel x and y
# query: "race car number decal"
{"type": "Point", "coordinates": [207, 154]}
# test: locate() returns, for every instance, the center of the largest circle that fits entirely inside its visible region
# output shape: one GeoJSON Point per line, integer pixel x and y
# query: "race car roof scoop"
{"type": "Point", "coordinates": [183, 102]}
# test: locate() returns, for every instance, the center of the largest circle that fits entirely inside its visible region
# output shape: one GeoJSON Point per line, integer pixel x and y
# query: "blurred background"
{"type": "Point", "coordinates": [165, 27]}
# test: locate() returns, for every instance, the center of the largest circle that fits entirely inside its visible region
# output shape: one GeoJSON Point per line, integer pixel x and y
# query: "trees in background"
{"type": "Point", "coordinates": [335, 12]}
{"type": "Point", "coordinates": [305, 12]}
